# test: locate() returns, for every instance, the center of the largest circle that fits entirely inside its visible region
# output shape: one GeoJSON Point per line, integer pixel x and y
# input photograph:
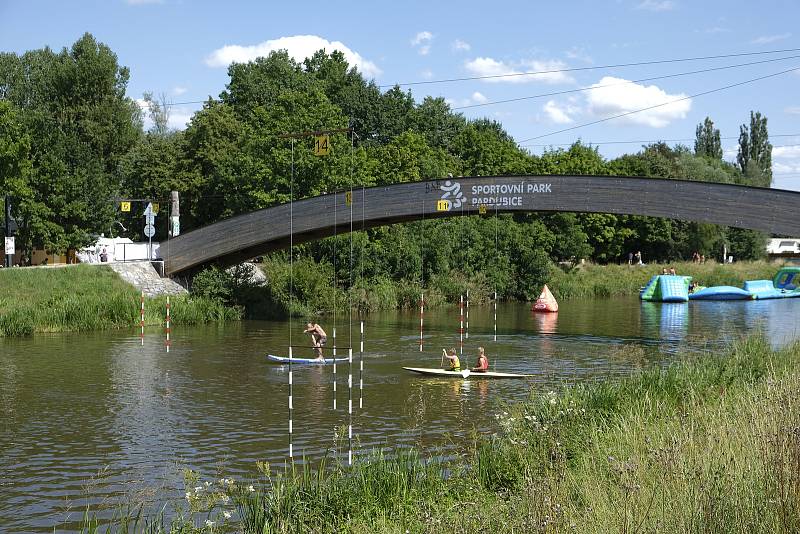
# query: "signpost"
{"type": "Point", "coordinates": [149, 228]}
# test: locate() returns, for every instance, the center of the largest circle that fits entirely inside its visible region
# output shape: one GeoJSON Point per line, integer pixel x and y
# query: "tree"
{"type": "Point", "coordinates": [80, 123]}
{"type": "Point", "coordinates": [755, 151]}
{"type": "Point", "coordinates": [707, 140]}
{"type": "Point", "coordinates": [158, 110]}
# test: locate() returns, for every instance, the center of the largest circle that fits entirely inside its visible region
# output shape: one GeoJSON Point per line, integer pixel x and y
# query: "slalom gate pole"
{"type": "Point", "coordinates": [495, 315]}
{"type": "Point", "coordinates": [466, 336]}
{"type": "Point", "coordinates": [334, 367]}
{"type": "Point", "coordinates": [350, 407]}
{"type": "Point", "coordinates": [361, 370]}
{"type": "Point", "coordinates": [291, 407]}
{"type": "Point", "coordinates": [461, 327]}
{"type": "Point", "coordinates": [421, 318]}
{"type": "Point", "coordinates": [168, 330]}
{"type": "Point", "coordinates": [141, 319]}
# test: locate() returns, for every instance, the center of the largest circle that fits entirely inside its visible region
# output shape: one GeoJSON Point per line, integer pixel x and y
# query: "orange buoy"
{"type": "Point", "coordinates": [546, 302]}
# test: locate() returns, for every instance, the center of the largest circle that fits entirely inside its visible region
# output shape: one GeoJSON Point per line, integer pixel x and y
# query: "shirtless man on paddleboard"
{"type": "Point", "coordinates": [318, 337]}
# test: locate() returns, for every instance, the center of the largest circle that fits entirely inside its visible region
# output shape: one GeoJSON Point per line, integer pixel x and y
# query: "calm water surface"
{"type": "Point", "coordinates": [89, 418]}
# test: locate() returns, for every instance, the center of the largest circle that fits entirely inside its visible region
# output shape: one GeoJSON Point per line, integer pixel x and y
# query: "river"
{"type": "Point", "coordinates": [94, 417]}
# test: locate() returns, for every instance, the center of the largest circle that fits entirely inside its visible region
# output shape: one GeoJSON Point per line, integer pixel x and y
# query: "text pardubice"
{"type": "Point", "coordinates": [505, 194]}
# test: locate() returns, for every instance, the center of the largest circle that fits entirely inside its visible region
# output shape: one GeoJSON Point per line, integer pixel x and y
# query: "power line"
{"type": "Point", "coordinates": [590, 87]}
{"type": "Point", "coordinates": [596, 67]}
{"type": "Point", "coordinates": [555, 71]}
{"type": "Point", "coordinates": [649, 141]}
{"type": "Point", "coordinates": [627, 113]}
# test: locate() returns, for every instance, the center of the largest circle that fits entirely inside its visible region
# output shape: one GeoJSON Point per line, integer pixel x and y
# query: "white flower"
{"type": "Point", "coordinates": [209, 523]}
{"type": "Point", "coordinates": [225, 499]}
{"type": "Point", "coordinates": [188, 495]}
{"type": "Point", "coordinates": [198, 489]}
{"type": "Point", "coordinates": [206, 483]}
{"type": "Point", "coordinates": [250, 488]}
{"type": "Point", "coordinates": [553, 401]}
{"type": "Point", "coordinates": [226, 515]}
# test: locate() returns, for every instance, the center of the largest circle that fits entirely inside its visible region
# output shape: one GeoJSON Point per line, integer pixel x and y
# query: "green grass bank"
{"type": "Point", "coordinates": [85, 297]}
{"type": "Point", "coordinates": [709, 444]}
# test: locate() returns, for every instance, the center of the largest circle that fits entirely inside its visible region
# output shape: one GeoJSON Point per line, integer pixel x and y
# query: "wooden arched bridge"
{"type": "Point", "coordinates": [249, 235]}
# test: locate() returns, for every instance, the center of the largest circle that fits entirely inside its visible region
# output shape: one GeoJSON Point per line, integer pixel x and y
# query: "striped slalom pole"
{"type": "Point", "coordinates": [361, 370]}
{"type": "Point", "coordinates": [421, 318]}
{"type": "Point", "coordinates": [466, 335]}
{"type": "Point", "coordinates": [495, 315]}
{"type": "Point", "coordinates": [350, 407]}
{"type": "Point", "coordinates": [141, 319]}
{"type": "Point", "coordinates": [461, 327]}
{"type": "Point", "coordinates": [291, 407]}
{"type": "Point", "coordinates": [168, 330]}
{"type": "Point", "coordinates": [334, 367]}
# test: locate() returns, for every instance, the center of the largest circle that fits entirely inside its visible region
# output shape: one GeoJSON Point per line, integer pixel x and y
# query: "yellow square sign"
{"type": "Point", "coordinates": [442, 205]}
{"type": "Point", "coordinates": [125, 206]}
{"type": "Point", "coordinates": [155, 208]}
{"type": "Point", "coordinates": [348, 198]}
{"type": "Point", "coordinates": [322, 145]}
{"type": "Point", "coordinates": [482, 209]}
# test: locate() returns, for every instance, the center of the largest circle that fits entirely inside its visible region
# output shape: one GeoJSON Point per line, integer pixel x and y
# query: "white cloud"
{"type": "Point", "coordinates": [475, 98]}
{"type": "Point", "coordinates": [656, 5]}
{"type": "Point", "coordinates": [556, 113]}
{"type": "Point", "coordinates": [788, 152]}
{"type": "Point", "coordinates": [625, 96]}
{"type": "Point", "coordinates": [767, 39]}
{"type": "Point", "coordinates": [578, 53]}
{"type": "Point", "coordinates": [299, 48]}
{"type": "Point", "coordinates": [478, 98]}
{"type": "Point", "coordinates": [426, 74]}
{"type": "Point", "coordinates": [792, 110]}
{"type": "Point", "coordinates": [514, 72]}
{"type": "Point", "coordinates": [178, 91]}
{"type": "Point", "coordinates": [461, 46]}
{"type": "Point", "coordinates": [422, 42]}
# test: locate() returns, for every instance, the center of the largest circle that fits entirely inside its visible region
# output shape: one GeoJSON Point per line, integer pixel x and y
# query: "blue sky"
{"type": "Point", "coordinates": [180, 48]}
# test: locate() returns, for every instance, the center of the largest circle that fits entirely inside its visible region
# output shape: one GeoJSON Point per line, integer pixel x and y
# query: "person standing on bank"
{"type": "Point", "coordinates": [318, 337]}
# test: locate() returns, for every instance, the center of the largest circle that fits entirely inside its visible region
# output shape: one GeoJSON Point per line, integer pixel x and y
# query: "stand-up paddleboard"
{"type": "Point", "coordinates": [466, 373]}
{"type": "Point", "coordinates": [284, 359]}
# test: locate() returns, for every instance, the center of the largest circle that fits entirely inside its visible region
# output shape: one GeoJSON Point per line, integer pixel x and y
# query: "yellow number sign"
{"type": "Point", "coordinates": [125, 206]}
{"type": "Point", "coordinates": [348, 197]}
{"type": "Point", "coordinates": [442, 205]}
{"type": "Point", "coordinates": [482, 209]}
{"type": "Point", "coordinates": [155, 208]}
{"type": "Point", "coordinates": [322, 145]}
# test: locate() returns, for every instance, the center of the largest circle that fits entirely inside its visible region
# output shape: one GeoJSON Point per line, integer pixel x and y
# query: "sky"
{"type": "Point", "coordinates": [181, 48]}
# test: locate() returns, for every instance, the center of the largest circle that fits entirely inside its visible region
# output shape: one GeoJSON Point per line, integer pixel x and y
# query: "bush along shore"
{"type": "Point", "coordinates": [709, 444]}
{"type": "Point", "coordinates": [87, 297]}
{"type": "Point", "coordinates": [311, 291]}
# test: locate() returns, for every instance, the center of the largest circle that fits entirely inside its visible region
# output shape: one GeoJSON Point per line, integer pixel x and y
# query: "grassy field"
{"type": "Point", "coordinates": [609, 280]}
{"type": "Point", "coordinates": [87, 297]}
{"type": "Point", "coordinates": [710, 444]}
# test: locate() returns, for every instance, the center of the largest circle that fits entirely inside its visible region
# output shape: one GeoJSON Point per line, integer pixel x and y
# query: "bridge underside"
{"type": "Point", "coordinates": [246, 236]}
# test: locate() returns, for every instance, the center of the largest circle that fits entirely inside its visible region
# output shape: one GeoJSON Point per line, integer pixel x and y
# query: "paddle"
{"type": "Point", "coordinates": [443, 354]}
{"type": "Point", "coordinates": [465, 373]}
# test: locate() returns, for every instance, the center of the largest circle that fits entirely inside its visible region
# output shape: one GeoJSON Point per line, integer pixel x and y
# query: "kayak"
{"type": "Point", "coordinates": [466, 373]}
{"type": "Point", "coordinates": [284, 359]}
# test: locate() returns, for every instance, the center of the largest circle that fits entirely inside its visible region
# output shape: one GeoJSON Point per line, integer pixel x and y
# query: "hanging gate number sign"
{"type": "Point", "coordinates": [322, 145]}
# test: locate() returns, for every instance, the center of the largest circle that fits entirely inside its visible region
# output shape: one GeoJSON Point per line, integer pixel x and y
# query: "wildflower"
{"type": "Point", "coordinates": [225, 499]}
{"type": "Point", "coordinates": [226, 515]}
{"type": "Point", "coordinates": [209, 523]}
{"type": "Point", "coordinates": [188, 495]}
{"type": "Point", "coordinates": [198, 489]}
{"type": "Point", "coordinates": [553, 401]}
{"type": "Point", "coordinates": [250, 488]}
{"type": "Point", "coordinates": [206, 483]}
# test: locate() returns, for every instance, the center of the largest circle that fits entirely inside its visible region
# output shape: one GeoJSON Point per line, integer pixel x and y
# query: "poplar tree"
{"type": "Point", "coordinates": [755, 151]}
{"type": "Point", "coordinates": [707, 141]}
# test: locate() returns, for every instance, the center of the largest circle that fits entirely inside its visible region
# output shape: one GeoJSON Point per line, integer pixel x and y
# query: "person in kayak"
{"type": "Point", "coordinates": [455, 363]}
{"type": "Point", "coordinates": [483, 362]}
{"type": "Point", "coordinates": [318, 337]}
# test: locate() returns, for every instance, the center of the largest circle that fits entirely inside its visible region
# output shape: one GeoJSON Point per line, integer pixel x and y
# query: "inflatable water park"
{"type": "Point", "coordinates": [676, 288]}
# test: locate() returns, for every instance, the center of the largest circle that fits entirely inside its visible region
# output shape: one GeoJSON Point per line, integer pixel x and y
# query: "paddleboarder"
{"type": "Point", "coordinates": [483, 362]}
{"type": "Point", "coordinates": [318, 337]}
{"type": "Point", "coordinates": [455, 363]}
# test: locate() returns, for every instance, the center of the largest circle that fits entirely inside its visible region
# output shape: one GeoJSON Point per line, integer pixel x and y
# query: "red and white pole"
{"type": "Point", "coordinates": [495, 315]}
{"type": "Point", "coordinates": [168, 329]}
{"type": "Point", "coordinates": [461, 327]}
{"type": "Point", "coordinates": [141, 319]}
{"type": "Point", "coordinates": [421, 318]}
{"type": "Point", "coordinates": [334, 367]}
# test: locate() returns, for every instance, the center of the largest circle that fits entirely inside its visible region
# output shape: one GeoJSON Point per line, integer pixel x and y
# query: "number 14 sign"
{"type": "Point", "coordinates": [322, 145]}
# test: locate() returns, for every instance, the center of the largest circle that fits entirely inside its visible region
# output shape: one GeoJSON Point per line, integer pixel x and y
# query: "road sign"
{"type": "Point", "coordinates": [322, 145]}
{"type": "Point", "coordinates": [149, 214]}
{"type": "Point", "coordinates": [9, 246]}
{"type": "Point", "coordinates": [125, 206]}
{"type": "Point", "coordinates": [149, 230]}
{"type": "Point", "coordinates": [148, 210]}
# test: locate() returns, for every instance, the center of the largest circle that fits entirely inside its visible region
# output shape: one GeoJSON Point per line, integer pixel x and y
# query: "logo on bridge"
{"type": "Point", "coordinates": [452, 197]}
